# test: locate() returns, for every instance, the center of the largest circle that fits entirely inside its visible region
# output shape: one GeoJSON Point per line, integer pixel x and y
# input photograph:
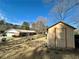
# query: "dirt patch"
{"type": "Point", "coordinates": [34, 49]}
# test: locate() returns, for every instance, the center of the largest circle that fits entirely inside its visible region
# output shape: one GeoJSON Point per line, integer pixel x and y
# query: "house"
{"type": "Point", "coordinates": [61, 35]}
{"type": "Point", "coordinates": [19, 32]}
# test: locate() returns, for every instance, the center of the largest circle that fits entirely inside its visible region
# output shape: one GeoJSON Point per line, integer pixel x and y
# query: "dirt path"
{"type": "Point", "coordinates": [33, 49]}
{"type": "Point", "coordinates": [15, 48]}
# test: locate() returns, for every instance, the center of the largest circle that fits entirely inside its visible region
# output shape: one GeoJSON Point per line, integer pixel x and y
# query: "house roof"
{"type": "Point", "coordinates": [63, 23]}
{"type": "Point", "coordinates": [26, 30]}
{"type": "Point", "coordinates": [20, 30]}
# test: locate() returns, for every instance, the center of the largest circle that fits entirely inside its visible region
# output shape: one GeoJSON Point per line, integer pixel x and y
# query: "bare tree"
{"type": "Point", "coordinates": [61, 8]}
{"type": "Point", "coordinates": [39, 25]}
{"type": "Point", "coordinates": [76, 21]}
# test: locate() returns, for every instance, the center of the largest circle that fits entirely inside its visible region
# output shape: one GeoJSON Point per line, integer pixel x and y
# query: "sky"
{"type": "Point", "coordinates": [18, 11]}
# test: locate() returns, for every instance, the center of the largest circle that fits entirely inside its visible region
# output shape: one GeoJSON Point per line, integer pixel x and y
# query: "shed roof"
{"type": "Point", "coordinates": [63, 23]}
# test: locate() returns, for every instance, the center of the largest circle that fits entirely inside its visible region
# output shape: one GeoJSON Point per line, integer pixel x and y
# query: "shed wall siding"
{"type": "Point", "coordinates": [51, 38]}
{"type": "Point", "coordinates": [63, 38]}
{"type": "Point", "coordinates": [70, 38]}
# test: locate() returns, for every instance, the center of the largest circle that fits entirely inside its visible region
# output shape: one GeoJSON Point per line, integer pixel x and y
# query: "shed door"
{"type": "Point", "coordinates": [60, 38]}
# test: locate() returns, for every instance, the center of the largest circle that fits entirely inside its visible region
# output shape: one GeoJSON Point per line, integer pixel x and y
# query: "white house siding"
{"type": "Point", "coordinates": [12, 32]}
{"type": "Point", "coordinates": [9, 34]}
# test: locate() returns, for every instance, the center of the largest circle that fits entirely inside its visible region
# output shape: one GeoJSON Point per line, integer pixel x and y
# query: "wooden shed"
{"type": "Point", "coordinates": [61, 35]}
